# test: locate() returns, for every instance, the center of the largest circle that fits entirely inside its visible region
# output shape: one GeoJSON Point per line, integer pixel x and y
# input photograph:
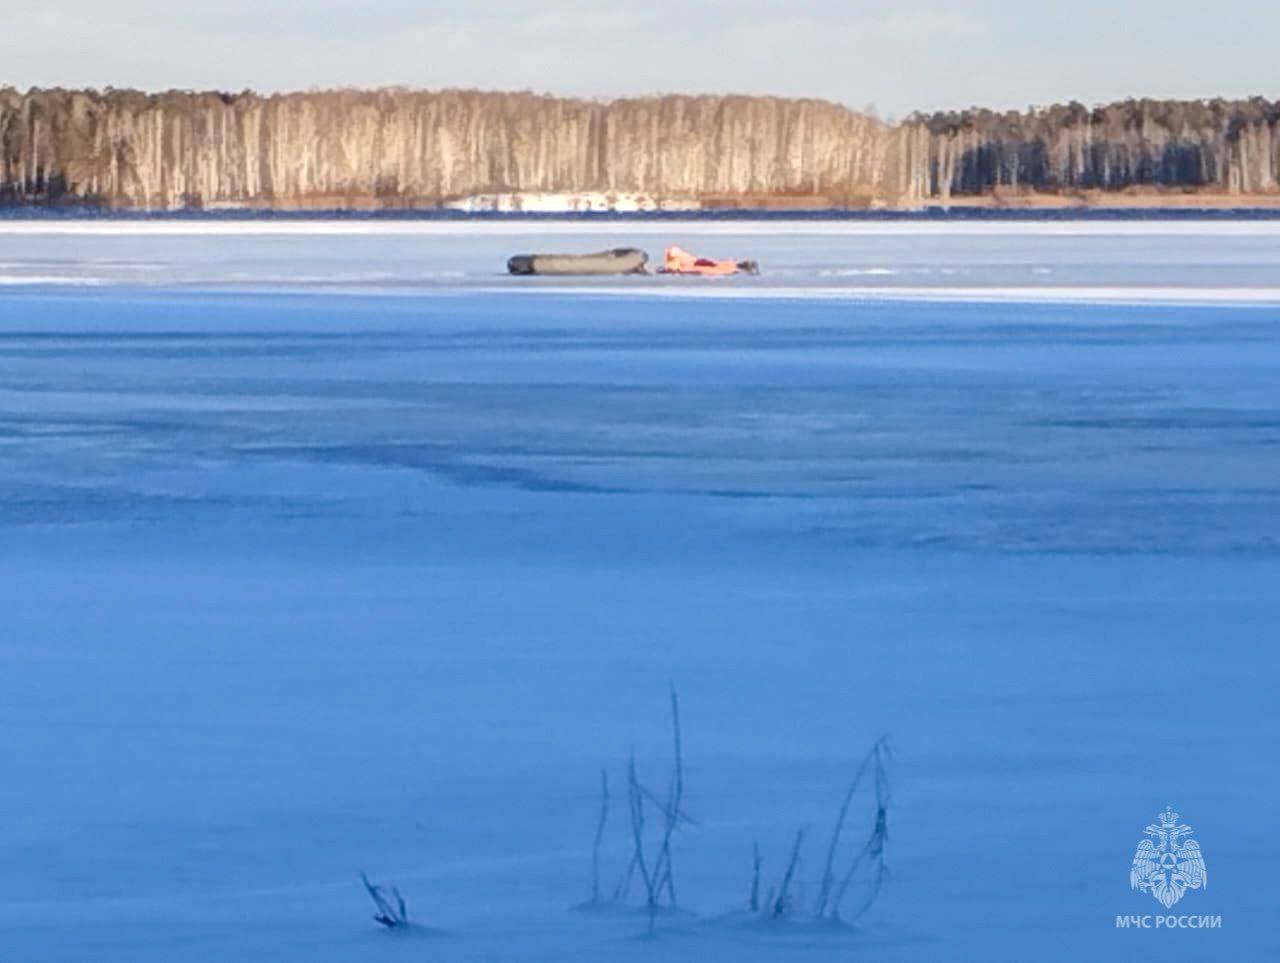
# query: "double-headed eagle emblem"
{"type": "Point", "coordinates": [1166, 864]}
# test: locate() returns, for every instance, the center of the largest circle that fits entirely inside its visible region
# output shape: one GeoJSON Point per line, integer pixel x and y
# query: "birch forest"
{"type": "Point", "coordinates": [402, 148]}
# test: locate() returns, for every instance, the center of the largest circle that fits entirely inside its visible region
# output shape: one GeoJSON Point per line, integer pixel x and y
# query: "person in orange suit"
{"type": "Point", "coordinates": [680, 261]}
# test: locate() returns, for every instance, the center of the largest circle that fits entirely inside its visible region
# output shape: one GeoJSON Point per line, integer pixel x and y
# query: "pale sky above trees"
{"type": "Point", "coordinates": [898, 56]}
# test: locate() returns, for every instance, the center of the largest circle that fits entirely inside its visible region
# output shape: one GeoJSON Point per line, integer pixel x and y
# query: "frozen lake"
{"type": "Point", "coordinates": [1115, 261]}
{"type": "Point", "coordinates": [329, 548]}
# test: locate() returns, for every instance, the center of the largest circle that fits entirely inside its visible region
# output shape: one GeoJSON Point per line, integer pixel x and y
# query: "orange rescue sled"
{"type": "Point", "coordinates": [680, 261]}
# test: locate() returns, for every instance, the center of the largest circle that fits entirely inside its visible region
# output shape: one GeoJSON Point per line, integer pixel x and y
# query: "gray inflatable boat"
{"type": "Point", "coordinates": [621, 260]}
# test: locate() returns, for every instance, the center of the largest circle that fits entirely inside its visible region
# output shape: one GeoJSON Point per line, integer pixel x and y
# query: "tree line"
{"type": "Point", "coordinates": [1229, 145]}
{"type": "Point", "coordinates": [394, 147]}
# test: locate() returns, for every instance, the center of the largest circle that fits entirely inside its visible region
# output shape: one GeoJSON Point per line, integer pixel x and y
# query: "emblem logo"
{"type": "Point", "coordinates": [1168, 862]}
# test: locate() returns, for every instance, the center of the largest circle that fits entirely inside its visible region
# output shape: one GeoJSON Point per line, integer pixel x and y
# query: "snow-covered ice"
{"type": "Point", "coordinates": [328, 549]}
{"type": "Point", "coordinates": [1217, 260]}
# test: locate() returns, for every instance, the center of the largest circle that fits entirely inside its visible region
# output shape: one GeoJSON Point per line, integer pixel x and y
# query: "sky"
{"type": "Point", "coordinates": [895, 56]}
